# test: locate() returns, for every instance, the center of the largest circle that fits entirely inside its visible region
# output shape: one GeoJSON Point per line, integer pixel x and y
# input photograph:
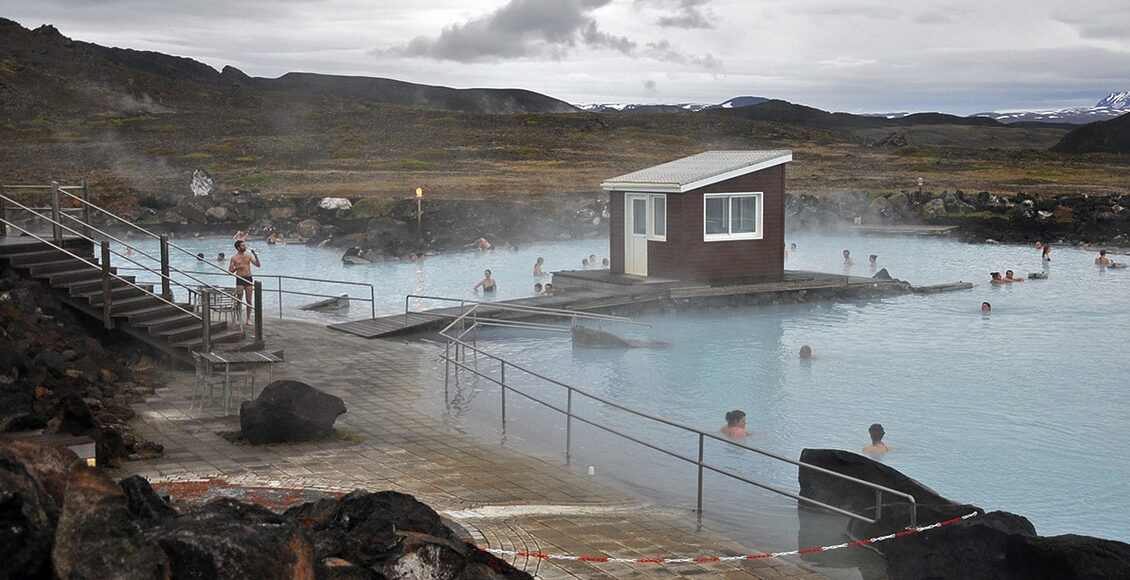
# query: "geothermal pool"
{"type": "Point", "coordinates": [1022, 410]}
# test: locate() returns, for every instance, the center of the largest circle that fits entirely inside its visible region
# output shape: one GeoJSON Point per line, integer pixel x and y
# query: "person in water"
{"type": "Point", "coordinates": [538, 271]}
{"type": "Point", "coordinates": [1010, 277]}
{"type": "Point", "coordinates": [873, 259]}
{"type": "Point", "coordinates": [548, 290]}
{"type": "Point", "coordinates": [996, 279]}
{"type": "Point", "coordinates": [1102, 260]}
{"type": "Point", "coordinates": [806, 353]}
{"type": "Point", "coordinates": [220, 257]}
{"type": "Point", "coordinates": [877, 446]}
{"type": "Point", "coordinates": [847, 258]}
{"type": "Point", "coordinates": [480, 244]}
{"type": "Point", "coordinates": [986, 308]}
{"type": "Point", "coordinates": [200, 257]}
{"type": "Point", "coordinates": [487, 284]}
{"type": "Point", "coordinates": [735, 424]}
{"type": "Point", "coordinates": [538, 290]}
{"type": "Point", "coordinates": [585, 263]}
{"type": "Point", "coordinates": [1046, 253]}
{"type": "Point", "coordinates": [605, 263]}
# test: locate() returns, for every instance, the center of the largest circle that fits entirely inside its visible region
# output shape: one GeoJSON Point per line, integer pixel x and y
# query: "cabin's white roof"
{"type": "Point", "coordinates": [708, 167]}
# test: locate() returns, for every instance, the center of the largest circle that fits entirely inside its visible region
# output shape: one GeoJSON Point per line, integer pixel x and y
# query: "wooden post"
{"type": "Point", "coordinates": [107, 297]}
{"type": "Point", "coordinates": [206, 319]}
{"type": "Point", "coordinates": [166, 288]}
{"type": "Point", "coordinates": [258, 311]}
{"type": "Point", "coordinates": [56, 223]}
{"type": "Point", "coordinates": [85, 209]}
{"type": "Point", "coordinates": [3, 212]}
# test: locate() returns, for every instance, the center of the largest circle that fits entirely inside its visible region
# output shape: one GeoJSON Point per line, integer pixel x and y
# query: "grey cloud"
{"type": "Point", "coordinates": [1105, 25]}
{"type": "Point", "coordinates": [932, 18]}
{"type": "Point", "coordinates": [850, 8]}
{"type": "Point", "coordinates": [665, 51]}
{"type": "Point", "coordinates": [521, 28]}
{"type": "Point", "coordinates": [689, 14]}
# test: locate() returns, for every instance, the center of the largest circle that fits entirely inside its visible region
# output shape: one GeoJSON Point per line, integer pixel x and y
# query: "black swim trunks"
{"type": "Point", "coordinates": [244, 281]}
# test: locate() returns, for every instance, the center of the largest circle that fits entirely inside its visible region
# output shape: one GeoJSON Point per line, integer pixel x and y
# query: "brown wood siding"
{"type": "Point", "coordinates": [686, 256]}
{"type": "Point", "coordinates": [616, 231]}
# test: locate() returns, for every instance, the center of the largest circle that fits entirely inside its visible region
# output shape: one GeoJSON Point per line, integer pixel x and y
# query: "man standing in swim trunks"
{"type": "Point", "coordinates": [240, 265]}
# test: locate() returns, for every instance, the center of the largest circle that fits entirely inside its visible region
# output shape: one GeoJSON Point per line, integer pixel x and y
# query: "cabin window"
{"type": "Point", "coordinates": [639, 216]}
{"type": "Point", "coordinates": [658, 218]}
{"type": "Point", "coordinates": [731, 216]}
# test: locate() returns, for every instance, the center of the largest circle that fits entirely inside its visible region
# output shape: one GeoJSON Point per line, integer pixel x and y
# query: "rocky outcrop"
{"type": "Point", "coordinates": [289, 411]}
{"type": "Point", "coordinates": [125, 530]}
{"type": "Point", "coordinates": [990, 545]}
{"type": "Point", "coordinates": [56, 377]}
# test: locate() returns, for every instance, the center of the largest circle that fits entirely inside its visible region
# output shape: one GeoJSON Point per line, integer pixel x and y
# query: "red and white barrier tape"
{"type": "Point", "coordinates": [705, 559]}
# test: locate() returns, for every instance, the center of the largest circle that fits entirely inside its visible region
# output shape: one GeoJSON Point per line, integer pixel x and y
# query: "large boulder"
{"type": "Point", "coordinates": [852, 496]}
{"type": "Point", "coordinates": [975, 548]}
{"type": "Point", "coordinates": [230, 539]}
{"type": "Point", "coordinates": [1068, 557]}
{"type": "Point", "coordinates": [934, 209]}
{"type": "Point", "coordinates": [27, 520]}
{"type": "Point", "coordinates": [393, 535]}
{"type": "Point", "coordinates": [48, 464]}
{"type": "Point", "coordinates": [217, 213]}
{"type": "Point", "coordinates": [289, 411]}
{"type": "Point", "coordinates": [308, 228]}
{"type": "Point", "coordinates": [142, 501]}
{"type": "Point", "coordinates": [97, 536]}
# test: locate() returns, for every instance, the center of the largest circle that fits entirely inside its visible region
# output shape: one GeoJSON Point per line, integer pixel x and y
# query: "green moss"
{"type": "Point", "coordinates": [197, 155]}
{"type": "Point", "coordinates": [408, 165]}
{"type": "Point", "coordinates": [159, 150]}
{"type": "Point", "coordinates": [255, 179]}
{"type": "Point", "coordinates": [248, 159]}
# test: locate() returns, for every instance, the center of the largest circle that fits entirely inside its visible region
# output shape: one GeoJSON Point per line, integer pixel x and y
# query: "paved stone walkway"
{"type": "Point", "coordinates": [505, 499]}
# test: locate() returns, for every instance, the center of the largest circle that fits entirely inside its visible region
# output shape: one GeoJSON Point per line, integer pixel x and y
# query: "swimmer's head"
{"type": "Point", "coordinates": [537, 287]}
{"type": "Point", "coordinates": [995, 275]}
{"type": "Point", "coordinates": [541, 260]}
{"type": "Point", "coordinates": [792, 246]}
{"type": "Point", "coordinates": [733, 418]}
{"type": "Point", "coordinates": [874, 258]}
{"type": "Point", "coordinates": [1102, 252]}
{"type": "Point", "coordinates": [584, 261]}
{"type": "Point", "coordinates": [877, 432]}
{"type": "Point", "coordinates": [604, 262]}
{"type": "Point", "coordinates": [486, 273]}
{"type": "Point", "coordinates": [847, 253]}
{"type": "Point", "coordinates": [986, 307]}
{"type": "Point", "coordinates": [1008, 274]}
{"type": "Point", "coordinates": [806, 352]}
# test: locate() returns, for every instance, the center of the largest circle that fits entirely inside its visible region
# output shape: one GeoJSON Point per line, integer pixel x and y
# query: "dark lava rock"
{"type": "Point", "coordinates": [27, 520]}
{"type": "Point", "coordinates": [1068, 557]}
{"type": "Point", "coordinates": [592, 338]}
{"type": "Point", "coordinates": [97, 537]}
{"type": "Point", "coordinates": [289, 411]}
{"type": "Point", "coordinates": [975, 548]}
{"type": "Point", "coordinates": [229, 539]}
{"type": "Point", "coordinates": [882, 274]}
{"type": "Point", "coordinates": [852, 496]}
{"type": "Point", "coordinates": [395, 536]}
{"type": "Point", "coordinates": [48, 464]}
{"type": "Point", "coordinates": [142, 501]}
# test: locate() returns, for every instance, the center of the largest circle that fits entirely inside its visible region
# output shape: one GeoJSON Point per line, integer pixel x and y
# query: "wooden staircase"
{"type": "Point", "coordinates": [77, 280]}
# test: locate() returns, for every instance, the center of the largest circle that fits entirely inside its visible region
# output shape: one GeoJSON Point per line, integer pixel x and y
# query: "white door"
{"type": "Point", "coordinates": [635, 235]}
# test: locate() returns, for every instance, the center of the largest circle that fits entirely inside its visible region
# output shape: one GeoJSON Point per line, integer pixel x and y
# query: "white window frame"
{"type": "Point", "coordinates": [758, 234]}
{"type": "Point", "coordinates": [651, 235]}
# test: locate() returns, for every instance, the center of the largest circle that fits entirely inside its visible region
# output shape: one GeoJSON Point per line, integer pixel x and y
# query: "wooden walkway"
{"type": "Point", "coordinates": [593, 291]}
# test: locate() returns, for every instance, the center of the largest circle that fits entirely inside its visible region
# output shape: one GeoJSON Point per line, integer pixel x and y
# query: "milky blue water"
{"type": "Point", "coordinates": [1021, 410]}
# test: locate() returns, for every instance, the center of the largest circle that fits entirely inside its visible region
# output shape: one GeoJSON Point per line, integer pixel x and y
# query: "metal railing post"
{"type": "Point", "coordinates": [569, 425]}
{"type": "Point", "coordinates": [279, 279]}
{"type": "Point", "coordinates": [206, 320]}
{"type": "Point", "coordinates": [56, 219]}
{"type": "Point", "coordinates": [373, 301]}
{"type": "Point", "coordinates": [166, 288]}
{"type": "Point", "coordinates": [107, 302]}
{"type": "Point", "coordinates": [258, 311]}
{"type": "Point", "coordinates": [503, 381]}
{"type": "Point", "coordinates": [446, 369]}
{"type": "Point", "coordinates": [3, 212]}
{"type": "Point", "coordinates": [878, 504]}
{"type": "Point", "coordinates": [85, 209]}
{"type": "Point", "coordinates": [701, 444]}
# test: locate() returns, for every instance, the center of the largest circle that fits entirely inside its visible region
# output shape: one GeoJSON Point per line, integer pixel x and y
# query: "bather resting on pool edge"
{"type": "Point", "coordinates": [735, 424]}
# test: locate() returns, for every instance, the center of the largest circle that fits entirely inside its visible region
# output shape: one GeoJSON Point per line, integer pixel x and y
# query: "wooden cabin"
{"type": "Point", "coordinates": [716, 216]}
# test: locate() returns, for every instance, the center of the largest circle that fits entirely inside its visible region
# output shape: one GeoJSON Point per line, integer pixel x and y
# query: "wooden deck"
{"type": "Point", "coordinates": [597, 290]}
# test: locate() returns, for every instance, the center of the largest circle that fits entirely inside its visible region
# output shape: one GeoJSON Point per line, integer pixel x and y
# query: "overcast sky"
{"type": "Point", "coordinates": [960, 56]}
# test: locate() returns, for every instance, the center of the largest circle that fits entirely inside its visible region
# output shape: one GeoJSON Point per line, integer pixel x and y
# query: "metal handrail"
{"type": "Point", "coordinates": [92, 240]}
{"type": "Point", "coordinates": [458, 342]}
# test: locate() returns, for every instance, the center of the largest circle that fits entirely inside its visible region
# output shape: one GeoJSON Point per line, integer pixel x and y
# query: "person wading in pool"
{"type": "Point", "coordinates": [240, 265]}
{"type": "Point", "coordinates": [1010, 277]}
{"type": "Point", "coordinates": [1102, 260]}
{"type": "Point", "coordinates": [487, 284]}
{"type": "Point", "coordinates": [877, 446]}
{"type": "Point", "coordinates": [735, 424]}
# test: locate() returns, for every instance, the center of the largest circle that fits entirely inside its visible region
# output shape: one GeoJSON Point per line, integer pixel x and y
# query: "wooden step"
{"type": "Point", "coordinates": [41, 269]}
{"type": "Point", "coordinates": [74, 244]}
{"type": "Point", "coordinates": [25, 259]}
{"type": "Point", "coordinates": [157, 311]}
{"type": "Point", "coordinates": [76, 287]}
{"type": "Point", "coordinates": [79, 273]}
{"type": "Point", "coordinates": [196, 342]}
{"type": "Point", "coordinates": [170, 318]}
{"type": "Point", "coordinates": [125, 306]}
{"type": "Point", "coordinates": [96, 297]}
{"type": "Point", "coordinates": [189, 331]}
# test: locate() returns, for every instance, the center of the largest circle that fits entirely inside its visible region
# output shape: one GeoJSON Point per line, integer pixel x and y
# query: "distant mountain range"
{"type": "Point", "coordinates": [1111, 106]}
